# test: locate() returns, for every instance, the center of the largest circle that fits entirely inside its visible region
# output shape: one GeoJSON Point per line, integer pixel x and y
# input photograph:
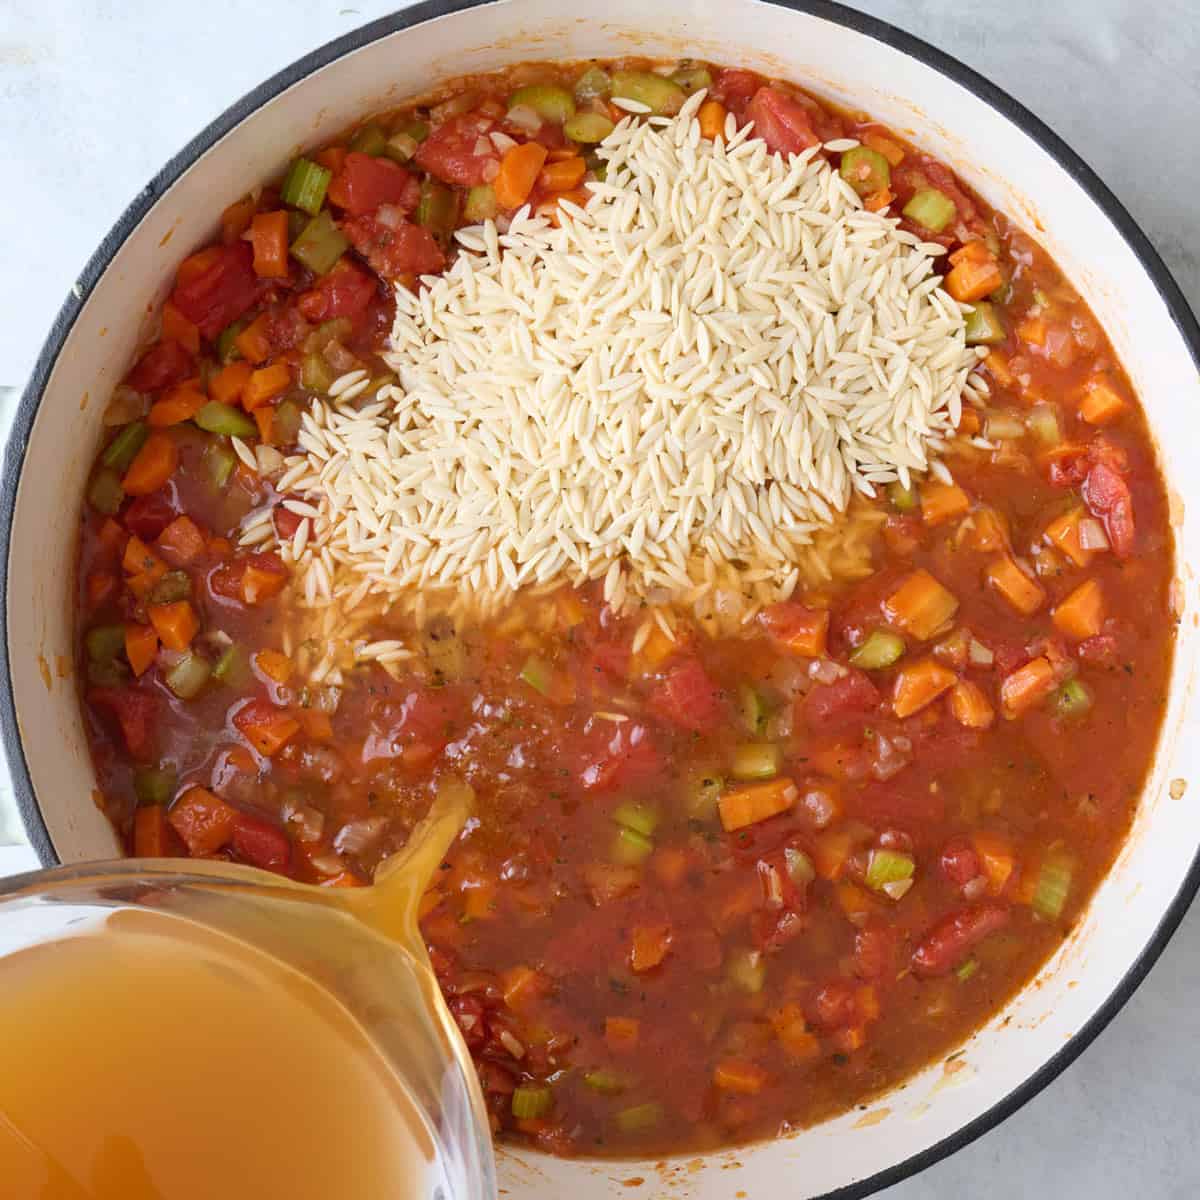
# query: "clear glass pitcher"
{"type": "Point", "coordinates": [360, 946]}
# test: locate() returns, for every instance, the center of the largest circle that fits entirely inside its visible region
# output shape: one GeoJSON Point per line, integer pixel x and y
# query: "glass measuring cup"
{"type": "Point", "coordinates": [357, 952]}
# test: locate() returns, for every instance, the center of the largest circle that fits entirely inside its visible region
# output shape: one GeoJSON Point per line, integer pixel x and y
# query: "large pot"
{"type": "Point", "coordinates": [1009, 156]}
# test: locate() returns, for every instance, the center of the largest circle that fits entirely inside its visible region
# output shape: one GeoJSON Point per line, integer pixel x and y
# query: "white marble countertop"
{"type": "Point", "coordinates": [95, 96]}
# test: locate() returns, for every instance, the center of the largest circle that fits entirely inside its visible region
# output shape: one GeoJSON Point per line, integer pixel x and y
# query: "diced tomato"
{"type": "Point", "coordinates": [833, 1006]}
{"type": "Point", "coordinates": [459, 150]}
{"type": "Point", "coordinates": [687, 697]}
{"type": "Point", "coordinates": [221, 292]}
{"type": "Point", "coordinates": [959, 862]}
{"type": "Point", "coordinates": [164, 364]}
{"type": "Point", "coordinates": [263, 576]}
{"type": "Point", "coordinates": [1101, 650]}
{"type": "Point", "coordinates": [833, 706]}
{"type": "Point", "coordinates": [875, 951]}
{"type": "Point", "coordinates": [1068, 466]}
{"type": "Point", "coordinates": [427, 716]}
{"type": "Point", "coordinates": [611, 658]}
{"type": "Point", "coordinates": [261, 844]}
{"type": "Point", "coordinates": [225, 581]}
{"type": "Point", "coordinates": [136, 714]}
{"type": "Point", "coordinates": [392, 251]}
{"type": "Point", "coordinates": [286, 522]}
{"type": "Point", "coordinates": [1107, 496]}
{"type": "Point", "coordinates": [344, 292]}
{"type": "Point", "coordinates": [267, 728]}
{"type": "Point", "coordinates": [364, 183]}
{"type": "Point", "coordinates": [948, 943]}
{"type": "Point", "coordinates": [147, 516]}
{"type": "Point", "coordinates": [781, 121]}
{"type": "Point", "coordinates": [735, 88]}
{"type": "Point", "coordinates": [622, 759]}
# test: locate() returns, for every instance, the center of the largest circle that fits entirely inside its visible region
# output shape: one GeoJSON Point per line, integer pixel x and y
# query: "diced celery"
{"type": "Point", "coordinates": [983, 325]}
{"type": "Point", "coordinates": [188, 676]}
{"type": "Point", "coordinates": [1003, 426]}
{"type": "Point", "coordinates": [320, 244]}
{"type": "Point", "coordinates": [638, 817]}
{"type": "Point", "coordinates": [530, 1101]}
{"type": "Point", "coordinates": [233, 667]}
{"type": "Point", "coordinates": [296, 223]}
{"type": "Point", "coordinates": [481, 203]}
{"type": "Point", "coordinates": [123, 449]}
{"type": "Point", "coordinates": [113, 673]}
{"type": "Point", "coordinates": [1044, 424]}
{"type": "Point", "coordinates": [692, 78]}
{"type": "Point", "coordinates": [316, 375]}
{"type": "Point", "coordinates": [305, 185]}
{"type": "Point", "coordinates": [631, 847]}
{"type": "Point", "coordinates": [370, 139]}
{"type": "Point", "coordinates": [703, 791]}
{"type": "Point", "coordinates": [227, 350]}
{"type": "Point", "coordinates": [154, 785]}
{"type": "Point", "coordinates": [588, 127]}
{"type": "Point", "coordinates": [931, 209]}
{"type": "Point", "coordinates": [747, 969]}
{"type": "Point", "coordinates": [173, 586]}
{"type": "Point", "coordinates": [967, 969]}
{"type": "Point", "coordinates": [866, 170]}
{"type": "Point", "coordinates": [1053, 885]}
{"type": "Point", "coordinates": [538, 673]}
{"type": "Point", "coordinates": [639, 1117]}
{"type": "Point", "coordinates": [593, 84]}
{"type": "Point", "coordinates": [664, 97]}
{"type": "Point", "coordinates": [888, 866]}
{"type": "Point", "coordinates": [799, 866]}
{"type": "Point", "coordinates": [756, 760]}
{"type": "Point", "coordinates": [1073, 699]}
{"type": "Point", "coordinates": [606, 1082]}
{"type": "Point", "coordinates": [401, 147]}
{"type": "Point", "coordinates": [437, 208]}
{"type": "Point", "coordinates": [904, 499]}
{"type": "Point", "coordinates": [336, 330]}
{"type": "Point", "coordinates": [879, 649]}
{"type": "Point", "coordinates": [286, 426]}
{"type": "Point", "coordinates": [551, 103]}
{"type": "Point", "coordinates": [105, 493]}
{"type": "Point", "coordinates": [104, 642]}
{"type": "Point", "coordinates": [417, 130]}
{"type": "Point", "coordinates": [216, 417]}
{"type": "Point", "coordinates": [754, 709]}
{"type": "Point", "coordinates": [220, 461]}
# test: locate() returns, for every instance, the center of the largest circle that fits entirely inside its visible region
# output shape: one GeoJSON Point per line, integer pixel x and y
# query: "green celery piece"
{"type": "Point", "coordinates": [154, 785]}
{"type": "Point", "coordinates": [227, 350]}
{"type": "Point", "coordinates": [370, 139]}
{"type": "Point", "coordinates": [320, 244]}
{"type": "Point", "coordinates": [754, 709]}
{"type": "Point", "coordinates": [232, 668]}
{"type": "Point", "coordinates": [224, 419]}
{"type": "Point", "coordinates": [638, 817]}
{"type": "Point", "coordinates": [692, 79]}
{"type": "Point", "coordinates": [756, 760]}
{"type": "Point", "coordinates": [931, 209]}
{"type": "Point", "coordinates": [866, 170]}
{"type": "Point", "coordinates": [287, 423]}
{"type": "Point", "coordinates": [531, 1101]}
{"type": "Point", "coordinates": [174, 585]}
{"type": "Point", "coordinates": [639, 1117]}
{"type": "Point", "coordinates": [104, 642]}
{"type": "Point", "coordinates": [904, 499]}
{"type": "Point", "coordinates": [1053, 885]}
{"type": "Point", "coordinates": [538, 673]}
{"type": "Point", "coordinates": [967, 969]}
{"type": "Point", "coordinates": [188, 676]}
{"type": "Point", "coordinates": [747, 970]}
{"type": "Point", "coordinates": [305, 185]}
{"type": "Point", "coordinates": [631, 847]}
{"type": "Point", "coordinates": [553, 104]}
{"type": "Point", "coordinates": [316, 375]}
{"type": "Point", "coordinates": [880, 649]}
{"type": "Point", "coordinates": [105, 493]}
{"type": "Point", "coordinates": [1073, 699]}
{"type": "Point", "coordinates": [703, 791]}
{"type": "Point", "coordinates": [983, 325]}
{"type": "Point", "coordinates": [664, 97]}
{"type": "Point", "coordinates": [481, 204]}
{"type": "Point", "coordinates": [588, 127]}
{"type": "Point", "coordinates": [220, 460]}
{"type": "Point", "coordinates": [123, 449]}
{"type": "Point", "coordinates": [607, 1083]}
{"type": "Point", "coordinates": [888, 866]}
{"type": "Point", "coordinates": [593, 84]}
{"type": "Point", "coordinates": [437, 208]}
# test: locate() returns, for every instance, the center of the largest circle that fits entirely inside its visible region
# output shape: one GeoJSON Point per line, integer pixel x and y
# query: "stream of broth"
{"type": "Point", "coordinates": [149, 1056]}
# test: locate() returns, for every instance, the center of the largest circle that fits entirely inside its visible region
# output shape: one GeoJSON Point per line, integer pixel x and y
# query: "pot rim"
{"type": "Point", "coordinates": [829, 10]}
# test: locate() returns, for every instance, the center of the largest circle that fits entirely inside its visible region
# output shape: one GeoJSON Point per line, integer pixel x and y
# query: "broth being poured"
{"type": "Point", "coordinates": [243, 1040]}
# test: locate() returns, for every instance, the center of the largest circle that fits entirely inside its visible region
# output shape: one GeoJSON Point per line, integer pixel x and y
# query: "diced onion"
{"type": "Point", "coordinates": [898, 888]}
{"type": "Point", "coordinates": [1092, 535]}
{"type": "Point", "coordinates": [126, 405]}
{"type": "Point", "coordinates": [772, 884]}
{"type": "Point", "coordinates": [524, 117]}
{"type": "Point", "coordinates": [502, 142]}
{"type": "Point", "coordinates": [356, 836]}
{"type": "Point", "coordinates": [390, 216]}
{"type": "Point", "coordinates": [979, 654]}
{"type": "Point", "coordinates": [825, 670]}
{"type": "Point", "coordinates": [491, 169]}
{"type": "Point", "coordinates": [1004, 426]}
{"type": "Point", "coordinates": [308, 822]}
{"type": "Point", "coordinates": [511, 1044]}
{"type": "Point", "coordinates": [973, 889]}
{"type": "Point", "coordinates": [327, 864]}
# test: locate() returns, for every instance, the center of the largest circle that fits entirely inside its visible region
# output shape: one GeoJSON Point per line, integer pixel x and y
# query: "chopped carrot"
{"type": "Point", "coordinates": [1025, 594]}
{"type": "Point", "coordinates": [1027, 687]}
{"type": "Point", "coordinates": [235, 220]}
{"type": "Point", "coordinates": [177, 328]}
{"type": "Point", "coordinates": [266, 728]}
{"type": "Point", "coordinates": [142, 585]}
{"type": "Point", "coordinates": [561, 153]}
{"type": "Point", "coordinates": [519, 169]}
{"type": "Point", "coordinates": [100, 585]}
{"type": "Point", "coordinates": [756, 802]}
{"type": "Point", "coordinates": [139, 559]}
{"type": "Point", "coordinates": [1065, 533]}
{"type": "Point", "coordinates": [658, 648]}
{"type": "Point", "coordinates": [563, 175]}
{"type": "Point", "coordinates": [920, 684]}
{"type": "Point", "coordinates": [856, 903]}
{"type": "Point", "coordinates": [942, 502]}
{"type": "Point", "coordinates": [737, 1075]}
{"type": "Point", "coordinates": [141, 647]}
{"type": "Point", "coordinates": [975, 251]}
{"type": "Point", "coordinates": [848, 1040]}
{"type": "Point", "coordinates": [622, 1033]}
{"type": "Point", "coordinates": [878, 201]}
{"type": "Point", "coordinates": [1100, 402]}
{"type": "Point", "coordinates": [968, 423]}
{"type": "Point", "coordinates": [229, 382]}
{"type": "Point", "coordinates": [830, 852]}
{"type": "Point", "coordinates": [712, 116]}
{"type": "Point", "coordinates": [259, 584]}
{"type": "Point", "coordinates": [520, 986]}
{"type": "Point", "coordinates": [985, 529]}
{"type": "Point", "coordinates": [315, 724]}
{"type": "Point", "coordinates": [997, 364]}
{"type": "Point", "coordinates": [219, 547]}
{"type": "Point", "coordinates": [890, 150]}
{"type": "Point", "coordinates": [182, 542]}
{"type": "Point", "coordinates": [203, 820]}
{"type": "Point", "coordinates": [264, 418]}
{"type": "Point", "coordinates": [154, 465]}
{"type": "Point", "coordinates": [332, 158]}
{"type": "Point", "coordinates": [970, 706]}
{"type": "Point", "coordinates": [479, 903]}
{"type": "Point", "coordinates": [996, 857]}
{"type": "Point", "coordinates": [175, 623]}
{"type": "Point", "coordinates": [1081, 614]}
{"type": "Point", "coordinates": [550, 210]}
{"type": "Point", "coordinates": [670, 864]}
{"type": "Point", "coordinates": [792, 1031]}
{"type": "Point", "coordinates": [253, 343]}
{"type": "Point", "coordinates": [112, 536]}
{"type": "Point", "coordinates": [273, 665]}
{"type": "Point", "coordinates": [152, 836]}
{"type": "Point", "coordinates": [969, 281]}
{"type": "Point", "coordinates": [269, 241]}
{"type": "Point", "coordinates": [921, 605]}
{"type": "Point", "coordinates": [265, 384]}
{"type": "Point", "coordinates": [180, 404]}
{"type": "Point", "coordinates": [866, 998]}
{"type": "Point", "coordinates": [650, 944]}
{"type": "Point", "coordinates": [1033, 331]}
{"type": "Point", "coordinates": [806, 631]}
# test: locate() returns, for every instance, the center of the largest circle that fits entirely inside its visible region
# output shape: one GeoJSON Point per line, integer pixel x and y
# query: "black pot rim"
{"type": "Point", "coordinates": [828, 10]}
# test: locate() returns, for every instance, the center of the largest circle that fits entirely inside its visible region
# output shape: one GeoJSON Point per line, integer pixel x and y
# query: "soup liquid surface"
{"type": "Point", "coordinates": [148, 1058]}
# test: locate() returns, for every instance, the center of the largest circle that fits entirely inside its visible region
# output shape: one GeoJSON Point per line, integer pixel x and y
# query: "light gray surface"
{"type": "Point", "coordinates": [94, 97]}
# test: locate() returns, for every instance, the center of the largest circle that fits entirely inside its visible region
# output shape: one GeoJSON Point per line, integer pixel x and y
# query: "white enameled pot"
{"type": "Point", "coordinates": [1010, 157]}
